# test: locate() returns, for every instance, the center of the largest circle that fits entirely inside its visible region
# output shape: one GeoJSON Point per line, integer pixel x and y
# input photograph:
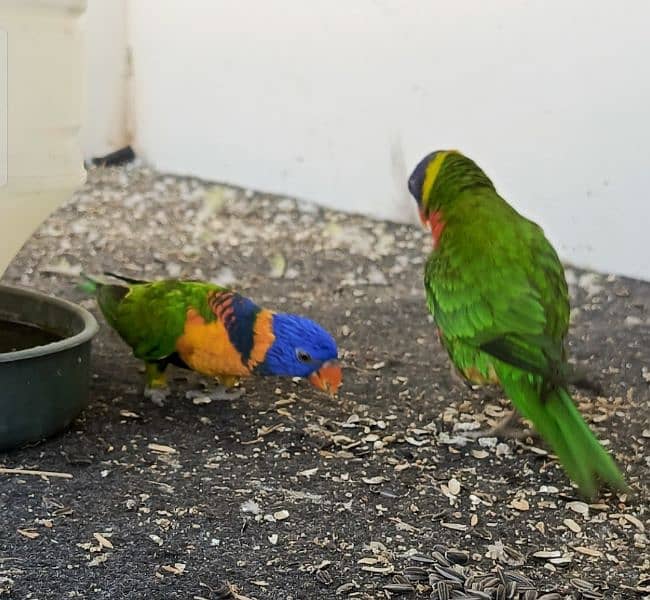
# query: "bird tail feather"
{"type": "Point", "coordinates": [559, 422]}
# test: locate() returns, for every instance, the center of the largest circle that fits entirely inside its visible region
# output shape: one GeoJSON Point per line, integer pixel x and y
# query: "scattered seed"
{"type": "Point", "coordinates": [479, 595]}
{"type": "Point", "coordinates": [523, 583]}
{"type": "Point", "coordinates": [636, 522]}
{"type": "Point", "coordinates": [581, 584]}
{"type": "Point", "coordinates": [323, 576]}
{"type": "Point", "coordinates": [520, 504]}
{"type": "Point", "coordinates": [30, 534]}
{"type": "Point", "coordinates": [440, 558]}
{"type": "Point", "coordinates": [175, 569]}
{"type": "Point", "coordinates": [547, 554]}
{"type": "Point", "coordinates": [454, 526]}
{"type": "Point", "coordinates": [346, 588]}
{"type": "Point", "coordinates": [374, 480]}
{"type": "Point", "coordinates": [399, 588]}
{"type": "Point", "coordinates": [588, 551]}
{"type": "Point", "coordinates": [416, 574]}
{"type": "Point", "coordinates": [424, 559]}
{"type": "Point", "coordinates": [127, 414]}
{"type": "Point", "coordinates": [581, 508]}
{"type": "Point", "coordinates": [457, 556]}
{"type": "Point", "coordinates": [591, 595]}
{"type": "Point", "coordinates": [98, 560]}
{"type": "Point", "coordinates": [103, 542]}
{"type": "Point", "coordinates": [572, 525]}
{"type": "Point", "coordinates": [161, 448]}
{"type": "Point", "coordinates": [450, 573]}
{"type": "Point", "coordinates": [443, 590]}
{"type": "Point", "coordinates": [515, 557]}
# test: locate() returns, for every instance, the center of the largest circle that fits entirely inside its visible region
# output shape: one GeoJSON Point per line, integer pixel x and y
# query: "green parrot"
{"type": "Point", "coordinates": [498, 295]}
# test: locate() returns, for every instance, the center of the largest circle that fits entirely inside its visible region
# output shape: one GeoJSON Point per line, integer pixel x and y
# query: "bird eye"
{"type": "Point", "coordinates": [303, 356]}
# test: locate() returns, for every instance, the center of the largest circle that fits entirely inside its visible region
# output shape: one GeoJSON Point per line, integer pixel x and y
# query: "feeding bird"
{"type": "Point", "coordinates": [214, 331]}
{"type": "Point", "coordinates": [498, 295]}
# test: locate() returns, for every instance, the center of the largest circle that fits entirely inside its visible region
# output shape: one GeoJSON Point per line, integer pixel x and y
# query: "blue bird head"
{"type": "Point", "coordinates": [302, 348]}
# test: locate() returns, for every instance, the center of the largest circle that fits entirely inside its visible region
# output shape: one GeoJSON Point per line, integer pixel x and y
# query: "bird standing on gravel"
{"type": "Point", "coordinates": [213, 331]}
{"type": "Point", "coordinates": [497, 292]}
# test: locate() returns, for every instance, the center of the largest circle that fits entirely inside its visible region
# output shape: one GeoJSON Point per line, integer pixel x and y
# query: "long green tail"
{"type": "Point", "coordinates": [561, 425]}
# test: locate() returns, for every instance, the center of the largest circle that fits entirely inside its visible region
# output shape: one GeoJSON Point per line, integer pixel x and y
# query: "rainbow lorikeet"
{"type": "Point", "coordinates": [213, 331]}
{"type": "Point", "coordinates": [498, 295]}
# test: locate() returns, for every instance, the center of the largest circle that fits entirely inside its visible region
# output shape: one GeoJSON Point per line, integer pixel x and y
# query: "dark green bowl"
{"type": "Point", "coordinates": [43, 388]}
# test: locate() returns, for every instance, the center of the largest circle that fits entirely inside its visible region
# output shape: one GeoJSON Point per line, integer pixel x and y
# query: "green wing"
{"type": "Point", "coordinates": [150, 317]}
{"type": "Point", "coordinates": [496, 284]}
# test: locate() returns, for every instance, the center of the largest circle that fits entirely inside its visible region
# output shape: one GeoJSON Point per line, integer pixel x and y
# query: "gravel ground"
{"type": "Point", "coordinates": [285, 493]}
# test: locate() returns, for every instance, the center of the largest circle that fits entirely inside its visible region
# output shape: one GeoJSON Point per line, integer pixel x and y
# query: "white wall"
{"type": "Point", "coordinates": [336, 101]}
{"type": "Point", "coordinates": [105, 102]}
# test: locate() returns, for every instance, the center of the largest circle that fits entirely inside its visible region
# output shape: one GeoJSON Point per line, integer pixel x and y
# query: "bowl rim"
{"type": "Point", "coordinates": [89, 330]}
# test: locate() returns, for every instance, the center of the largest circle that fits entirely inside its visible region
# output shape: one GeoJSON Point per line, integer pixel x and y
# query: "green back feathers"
{"type": "Point", "coordinates": [150, 316]}
{"type": "Point", "coordinates": [496, 280]}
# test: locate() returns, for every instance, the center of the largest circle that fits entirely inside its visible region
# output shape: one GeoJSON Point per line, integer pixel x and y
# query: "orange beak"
{"type": "Point", "coordinates": [328, 378]}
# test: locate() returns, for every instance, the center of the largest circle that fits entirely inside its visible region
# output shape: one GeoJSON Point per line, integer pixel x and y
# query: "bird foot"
{"type": "Point", "coordinates": [220, 392]}
{"type": "Point", "coordinates": [510, 427]}
{"type": "Point", "coordinates": [156, 395]}
{"type": "Point", "coordinates": [458, 378]}
{"type": "Point", "coordinates": [583, 382]}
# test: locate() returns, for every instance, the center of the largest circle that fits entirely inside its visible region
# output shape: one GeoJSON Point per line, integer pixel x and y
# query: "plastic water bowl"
{"type": "Point", "coordinates": [44, 364]}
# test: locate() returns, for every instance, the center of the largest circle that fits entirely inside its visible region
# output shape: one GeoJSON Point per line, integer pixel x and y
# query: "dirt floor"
{"type": "Point", "coordinates": [286, 494]}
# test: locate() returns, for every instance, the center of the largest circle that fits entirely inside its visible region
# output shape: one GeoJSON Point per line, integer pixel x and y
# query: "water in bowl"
{"type": "Point", "coordinates": [19, 336]}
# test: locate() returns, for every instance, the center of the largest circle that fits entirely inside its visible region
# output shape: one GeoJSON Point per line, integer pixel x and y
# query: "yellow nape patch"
{"type": "Point", "coordinates": [433, 168]}
{"type": "Point", "coordinates": [206, 348]}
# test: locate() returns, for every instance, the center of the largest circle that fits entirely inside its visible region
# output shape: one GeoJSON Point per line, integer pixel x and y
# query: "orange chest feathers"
{"type": "Point", "coordinates": [205, 347]}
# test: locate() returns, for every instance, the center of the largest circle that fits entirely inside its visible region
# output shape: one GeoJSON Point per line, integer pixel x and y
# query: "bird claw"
{"type": "Point", "coordinates": [220, 392]}
{"type": "Point", "coordinates": [507, 428]}
{"type": "Point", "coordinates": [156, 395]}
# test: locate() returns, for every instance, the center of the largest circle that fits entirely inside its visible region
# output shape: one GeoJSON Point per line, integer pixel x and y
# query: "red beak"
{"type": "Point", "coordinates": [328, 378]}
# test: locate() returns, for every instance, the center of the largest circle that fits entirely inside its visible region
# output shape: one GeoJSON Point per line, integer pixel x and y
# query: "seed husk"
{"type": "Point", "coordinates": [442, 590]}
{"type": "Point", "coordinates": [323, 576]}
{"type": "Point", "coordinates": [399, 588]}
{"type": "Point", "coordinates": [416, 574]}
{"type": "Point", "coordinates": [421, 558]}
{"type": "Point", "coordinates": [591, 595]}
{"type": "Point", "coordinates": [450, 573]}
{"type": "Point", "coordinates": [523, 583]}
{"type": "Point", "coordinates": [581, 584]}
{"type": "Point", "coordinates": [479, 595]}
{"type": "Point", "coordinates": [500, 592]}
{"type": "Point", "coordinates": [440, 558]}
{"type": "Point", "coordinates": [458, 557]}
